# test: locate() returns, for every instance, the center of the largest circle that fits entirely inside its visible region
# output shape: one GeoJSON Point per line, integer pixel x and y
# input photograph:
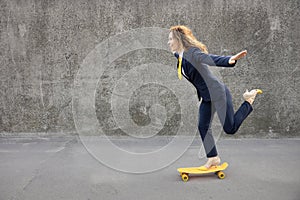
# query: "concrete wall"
{"type": "Point", "coordinates": [44, 44]}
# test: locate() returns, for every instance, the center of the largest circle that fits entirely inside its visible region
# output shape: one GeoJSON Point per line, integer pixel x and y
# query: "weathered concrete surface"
{"type": "Point", "coordinates": [61, 168]}
{"type": "Point", "coordinates": [44, 43]}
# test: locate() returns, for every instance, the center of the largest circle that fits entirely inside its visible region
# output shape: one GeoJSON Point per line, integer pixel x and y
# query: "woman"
{"type": "Point", "coordinates": [193, 61]}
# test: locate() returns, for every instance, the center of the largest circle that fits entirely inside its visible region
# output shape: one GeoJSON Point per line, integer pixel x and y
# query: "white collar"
{"type": "Point", "coordinates": [181, 54]}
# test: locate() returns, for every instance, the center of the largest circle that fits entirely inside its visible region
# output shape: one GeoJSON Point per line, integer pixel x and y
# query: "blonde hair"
{"type": "Point", "coordinates": [186, 38]}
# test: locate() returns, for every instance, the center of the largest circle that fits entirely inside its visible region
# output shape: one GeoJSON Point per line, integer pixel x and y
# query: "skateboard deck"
{"type": "Point", "coordinates": [218, 170]}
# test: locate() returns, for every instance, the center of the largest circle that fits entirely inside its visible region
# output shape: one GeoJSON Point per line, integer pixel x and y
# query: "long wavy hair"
{"type": "Point", "coordinates": [186, 38]}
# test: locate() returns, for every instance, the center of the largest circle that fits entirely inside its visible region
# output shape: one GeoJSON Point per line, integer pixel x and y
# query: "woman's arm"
{"type": "Point", "coordinates": [215, 60]}
{"type": "Point", "coordinates": [221, 61]}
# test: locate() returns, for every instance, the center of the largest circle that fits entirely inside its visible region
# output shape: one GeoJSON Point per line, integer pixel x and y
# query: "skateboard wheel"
{"type": "Point", "coordinates": [185, 177]}
{"type": "Point", "coordinates": [221, 175]}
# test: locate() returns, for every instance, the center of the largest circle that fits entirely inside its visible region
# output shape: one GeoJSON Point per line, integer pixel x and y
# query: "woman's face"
{"type": "Point", "coordinates": [173, 43]}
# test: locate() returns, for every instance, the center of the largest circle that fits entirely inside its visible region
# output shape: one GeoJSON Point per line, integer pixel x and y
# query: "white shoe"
{"type": "Point", "coordinates": [214, 161]}
{"type": "Point", "coordinates": [250, 96]}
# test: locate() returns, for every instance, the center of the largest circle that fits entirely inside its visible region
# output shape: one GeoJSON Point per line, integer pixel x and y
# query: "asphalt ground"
{"type": "Point", "coordinates": [63, 168]}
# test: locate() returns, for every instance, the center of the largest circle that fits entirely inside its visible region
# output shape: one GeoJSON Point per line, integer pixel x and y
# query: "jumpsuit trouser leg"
{"type": "Point", "coordinates": [230, 121]}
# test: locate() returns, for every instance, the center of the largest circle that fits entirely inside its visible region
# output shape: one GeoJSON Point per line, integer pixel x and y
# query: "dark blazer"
{"type": "Point", "coordinates": [195, 65]}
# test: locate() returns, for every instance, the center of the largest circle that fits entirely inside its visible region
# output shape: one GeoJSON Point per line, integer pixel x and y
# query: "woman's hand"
{"type": "Point", "coordinates": [237, 57]}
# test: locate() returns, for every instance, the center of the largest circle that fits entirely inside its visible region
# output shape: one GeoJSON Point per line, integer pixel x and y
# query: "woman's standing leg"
{"type": "Point", "coordinates": [206, 114]}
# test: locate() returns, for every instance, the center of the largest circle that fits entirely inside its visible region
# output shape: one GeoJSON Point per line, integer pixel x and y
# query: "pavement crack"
{"type": "Point", "coordinates": [41, 166]}
{"type": "Point", "coordinates": [35, 175]}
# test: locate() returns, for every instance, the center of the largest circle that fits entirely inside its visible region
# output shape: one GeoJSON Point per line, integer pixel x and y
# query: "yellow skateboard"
{"type": "Point", "coordinates": [218, 170]}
